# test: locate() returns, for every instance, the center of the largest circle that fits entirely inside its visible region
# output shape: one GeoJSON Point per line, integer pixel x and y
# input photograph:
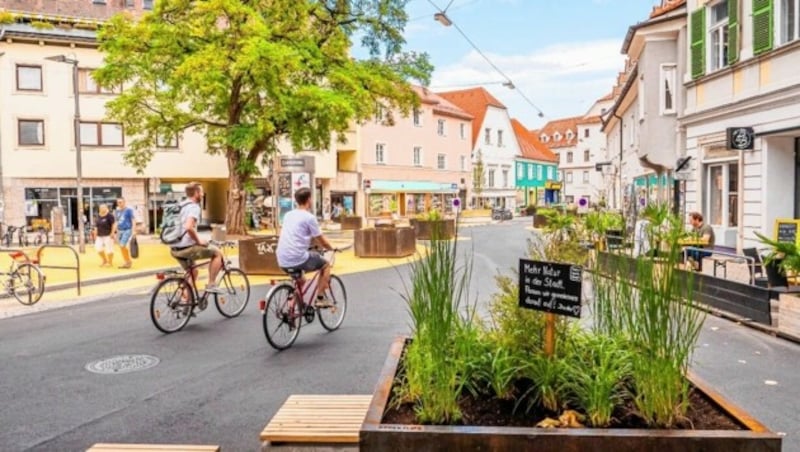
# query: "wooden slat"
{"type": "Point", "coordinates": [318, 419]}
{"type": "Point", "coordinates": [111, 447]}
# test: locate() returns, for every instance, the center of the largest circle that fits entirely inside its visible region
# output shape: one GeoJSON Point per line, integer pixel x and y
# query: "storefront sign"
{"type": "Point", "coordinates": [296, 162]}
{"type": "Point", "coordinates": [552, 185]}
{"type": "Point", "coordinates": [550, 287]}
{"type": "Point", "coordinates": [740, 138]}
{"type": "Point", "coordinates": [786, 230]}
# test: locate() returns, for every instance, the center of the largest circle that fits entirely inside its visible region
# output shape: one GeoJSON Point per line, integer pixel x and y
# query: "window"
{"type": "Point", "coordinates": [487, 136]}
{"type": "Point", "coordinates": [569, 177]}
{"type": "Point", "coordinates": [570, 135]}
{"type": "Point", "coordinates": [718, 36]}
{"type": "Point", "coordinates": [569, 199]}
{"type": "Point", "coordinates": [505, 178]}
{"type": "Point", "coordinates": [722, 204]}
{"type": "Point", "coordinates": [440, 128]}
{"type": "Point", "coordinates": [543, 138]}
{"type": "Point", "coordinates": [30, 132]}
{"type": "Point", "coordinates": [500, 138]}
{"type": "Point", "coordinates": [520, 171]}
{"type": "Point", "coordinates": [441, 161]}
{"type": "Point", "coordinates": [167, 142]}
{"type": "Point", "coordinates": [586, 133]}
{"type": "Point", "coordinates": [147, 4]}
{"type": "Point", "coordinates": [586, 155]}
{"type": "Point", "coordinates": [557, 137]}
{"type": "Point", "coordinates": [129, 3]}
{"type": "Point", "coordinates": [29, 78]}
{"type": "Point", "coordinates": [87, 85]}
{"type": "Point", "coordinates": [667, 88]}
{"type": "Point", "coordinates": [549, 172]}
{"type": "Point", "coordinates": [788, 17]}
{"type": "Point", "coordinates": [569, 157]}
{"type": "Point", "coordinates": [490, 178]}
{"type": "Point", "coordinates": [539, 172]}
{"type": "Point", "coordinates": [101, 134]}
{"type": "Point", "coordinates": [640, 100]}
{"type": "Point", "coordinates": [380, 153]}
{"type": "Point", "coordinates": [417, 156]}
{"type": "Point", "coordinates": [417, 117]}
{"type": "Point", "coordinates": [463, 163]}
{"type": "Point", "coordinates": [99, 2]}
{"type": "Point", "coordinates": [585, 177]}
{"type": "Point", "coordinates": [530, 171]}
{"type": "Point", "coordinates": [463, 131]}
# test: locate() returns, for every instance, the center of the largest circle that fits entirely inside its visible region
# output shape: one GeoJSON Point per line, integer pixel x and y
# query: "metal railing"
{"type": "Point", "coordinates": [77, 266]}
{"type": "Point", "coordinates": [733, 257]}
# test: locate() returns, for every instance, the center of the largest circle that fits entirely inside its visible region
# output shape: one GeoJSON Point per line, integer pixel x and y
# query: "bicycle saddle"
{"type": "Point", "coordinates": [293, 272]}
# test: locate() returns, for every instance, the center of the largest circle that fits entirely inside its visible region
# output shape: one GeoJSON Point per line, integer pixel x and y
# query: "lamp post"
{"type": "Point", "coordinates": [77, 132]}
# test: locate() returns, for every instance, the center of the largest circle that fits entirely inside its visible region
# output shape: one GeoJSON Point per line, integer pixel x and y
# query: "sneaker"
{"type": "Point", "coordinates": [213, 288]}
{"type": "Point", "coordinates": [323, 302]}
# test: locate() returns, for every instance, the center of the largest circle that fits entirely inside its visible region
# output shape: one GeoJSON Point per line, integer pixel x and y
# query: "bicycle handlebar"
{"type": "Point", "coordinates": [334, 250]}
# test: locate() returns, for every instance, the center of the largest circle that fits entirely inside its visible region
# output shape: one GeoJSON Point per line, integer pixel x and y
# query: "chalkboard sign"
{"type": "Point", "coordinates": [550, 287]}
{"type": "Point", "coordinates": [786, 230]}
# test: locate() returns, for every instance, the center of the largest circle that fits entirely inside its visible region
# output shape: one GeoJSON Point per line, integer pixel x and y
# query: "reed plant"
{"type": "Point", "coordinates": [440, 316]}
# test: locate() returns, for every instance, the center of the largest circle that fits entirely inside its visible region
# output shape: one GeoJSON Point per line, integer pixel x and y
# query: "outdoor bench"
{"type": "Point", "coordinates": [109, 447]}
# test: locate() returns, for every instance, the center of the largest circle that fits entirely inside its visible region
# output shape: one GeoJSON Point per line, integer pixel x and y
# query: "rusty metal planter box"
{"type": "Point", "coordinates": [352, 223]}
{"type": "Point", "coordinates": [257, 255]}
{"type": "Point", "coordinates": [384, 242]}
{"type": "Point", "coordinates": [424, 229]}
{"type": "Point", "coordinates": [375, 436]}
{"type": "Point", "coordinates": [540, 221]}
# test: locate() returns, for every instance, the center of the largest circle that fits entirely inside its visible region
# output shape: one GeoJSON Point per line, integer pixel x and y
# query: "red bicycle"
{"type": "Point", "coordinates": [291, 303]}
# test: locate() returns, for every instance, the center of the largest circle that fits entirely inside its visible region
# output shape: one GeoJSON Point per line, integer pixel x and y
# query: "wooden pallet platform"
{"type": "Point", "coordinates": [109, 447]}
{"type": "Point", "coordinates": [318, 419]}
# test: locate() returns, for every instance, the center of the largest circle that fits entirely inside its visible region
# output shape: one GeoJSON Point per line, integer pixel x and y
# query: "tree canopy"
{"type": "Point", "coordinates": [250, 74]}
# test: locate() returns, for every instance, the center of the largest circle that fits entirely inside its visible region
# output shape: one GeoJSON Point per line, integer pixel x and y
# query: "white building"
{"type": "Point", "coordinates": [493, 143]}
{"type": "Point", "coordinates": [742, 58]}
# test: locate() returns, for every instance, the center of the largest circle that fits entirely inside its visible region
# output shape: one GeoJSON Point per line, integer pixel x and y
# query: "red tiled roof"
{"type": "Point", "coordinates": [666, 6]}
{"type": "Point", "coordinates": [474, 101]}
{"type": "Point", "coordinates": [440, 105]}
{"type": "Point", "coordinates": [529, 145]}
{"type": "Point", "coordinates": [590, 120]}
{"type": "Point", "coordinates": [561, 126]}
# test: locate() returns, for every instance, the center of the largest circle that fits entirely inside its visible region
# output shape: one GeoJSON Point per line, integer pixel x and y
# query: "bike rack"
{"type": "Point", "coordinates": [77, 266]}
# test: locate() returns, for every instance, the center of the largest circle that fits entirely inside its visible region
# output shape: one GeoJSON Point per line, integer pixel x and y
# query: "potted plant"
{"type": "Point", "coordinates": [782, 260]}
{"type": "Point", "coordinates": [621, 384]}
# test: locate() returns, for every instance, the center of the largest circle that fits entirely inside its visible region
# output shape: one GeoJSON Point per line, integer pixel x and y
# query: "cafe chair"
{"type": "Point", "coordinates": [756, 267]}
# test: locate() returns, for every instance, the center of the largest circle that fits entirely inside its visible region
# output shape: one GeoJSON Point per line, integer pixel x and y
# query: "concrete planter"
{"type": "Point", "coordinates": [384, 242]}
{"type": "Point", "coordinates": [375, 436]}
{"type": "Point", "coordinates": [424, 229]}
{"type": "Point", "coordinates": [257, 255]}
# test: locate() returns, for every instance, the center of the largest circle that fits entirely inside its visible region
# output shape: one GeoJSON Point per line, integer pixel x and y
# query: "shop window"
{"type": "Point", "coordinates": [381, 203]}
{"type": "Point", "coordinates": [441, 161]}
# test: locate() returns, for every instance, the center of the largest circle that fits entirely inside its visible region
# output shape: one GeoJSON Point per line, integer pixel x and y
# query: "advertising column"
{"type": "Point", "coordinates": [294, 173]}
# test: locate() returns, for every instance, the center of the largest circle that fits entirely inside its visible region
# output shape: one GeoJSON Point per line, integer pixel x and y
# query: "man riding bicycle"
{"type": "Point", "coordinates": [300, 227]}
{"type": "Point", "coordinates": [190, 247]}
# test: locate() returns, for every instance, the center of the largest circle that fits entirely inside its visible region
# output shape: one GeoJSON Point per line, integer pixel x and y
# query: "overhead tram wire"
{"type": "Point", "coordinates": [509, 83]}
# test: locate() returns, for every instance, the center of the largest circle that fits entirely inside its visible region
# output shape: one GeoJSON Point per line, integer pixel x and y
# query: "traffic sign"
{"type": "Point", "coordinates": [456, 203]}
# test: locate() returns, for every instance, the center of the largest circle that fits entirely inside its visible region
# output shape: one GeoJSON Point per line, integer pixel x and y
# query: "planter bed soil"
{"type": "Point", "coordinates": [489, 411]}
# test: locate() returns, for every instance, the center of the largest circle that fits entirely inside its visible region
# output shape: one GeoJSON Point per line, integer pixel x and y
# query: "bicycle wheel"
{"type": "Point", "coordinates": [168, 310]}
{"type": "Point", "coordinates": [237, 293]}
{"type": "Point", "coordinates": [281, 326]}
{"type": "Point", "coordinates": [332, 317]}
{"type": "Point", "coordinates": [28, 284]}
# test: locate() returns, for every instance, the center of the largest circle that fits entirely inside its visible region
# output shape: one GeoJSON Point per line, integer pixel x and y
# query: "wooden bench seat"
{"type": "Point", "coordinates": [318, 419]}
{"type": "Point", "coordinates": [109, 447]}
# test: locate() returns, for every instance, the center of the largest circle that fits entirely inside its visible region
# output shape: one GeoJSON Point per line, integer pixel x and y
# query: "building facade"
{"type": "Point", "coordinates": [536, 170]}
{"type": "Point", "coordinates": [406, 165]}
{"type": "Point", "coordinates": [741, 58]}
{"type": "Point", "coordinates": [494, 148]}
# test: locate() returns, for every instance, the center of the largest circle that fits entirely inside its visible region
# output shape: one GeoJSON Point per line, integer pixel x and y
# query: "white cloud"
{"type": "Point", "coordinates": [562, 80]}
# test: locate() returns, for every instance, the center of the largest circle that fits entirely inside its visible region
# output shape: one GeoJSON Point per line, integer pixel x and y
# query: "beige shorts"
{"type": "Point", "coordinates": [187, 256]}
{"type": "Point", "coordinates": [104, 244]}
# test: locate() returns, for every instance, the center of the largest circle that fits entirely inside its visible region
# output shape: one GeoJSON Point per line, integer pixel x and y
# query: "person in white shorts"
{"type": "Point", "coordinates": [103, 242]}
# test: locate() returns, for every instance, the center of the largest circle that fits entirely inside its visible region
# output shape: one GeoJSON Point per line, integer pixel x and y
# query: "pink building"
{"type": "Point", "coordinates": [413, 164]}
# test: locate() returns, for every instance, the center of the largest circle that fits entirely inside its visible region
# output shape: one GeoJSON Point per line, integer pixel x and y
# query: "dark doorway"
{"type": "Point", "coordinates": [797, 177]}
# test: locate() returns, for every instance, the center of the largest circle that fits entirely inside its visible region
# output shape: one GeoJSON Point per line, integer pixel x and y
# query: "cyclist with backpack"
{"type": "Point", "coordinates": [179, 231]}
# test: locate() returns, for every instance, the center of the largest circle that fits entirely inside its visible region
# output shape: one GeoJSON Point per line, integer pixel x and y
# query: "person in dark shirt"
{"type": "Point", "coordinates": [103, 242]}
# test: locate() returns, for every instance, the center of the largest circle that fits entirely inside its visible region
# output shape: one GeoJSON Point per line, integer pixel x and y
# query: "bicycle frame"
{"type": "Point", "coordinates": [186, 275]}
{"type": "Point", "coordinates": [301, 287]}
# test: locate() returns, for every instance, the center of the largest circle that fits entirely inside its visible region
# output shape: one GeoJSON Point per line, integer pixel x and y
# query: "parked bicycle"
{"type": "Point", "coordinates": [289, 304]}
{"type": "Point", "coordinates": [24, 279]}
{"type": "Point", "coordinates": [176, 296]}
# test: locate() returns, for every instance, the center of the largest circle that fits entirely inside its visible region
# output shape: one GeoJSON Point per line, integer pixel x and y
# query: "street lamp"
{"type": "Point", "coordinates": [77, 132]}
{"type": "Point", "coordinates": [442, 18]}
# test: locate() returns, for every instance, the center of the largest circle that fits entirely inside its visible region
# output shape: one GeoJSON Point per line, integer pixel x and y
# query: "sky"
{"type": "Point", "coordinates": [560, 54]}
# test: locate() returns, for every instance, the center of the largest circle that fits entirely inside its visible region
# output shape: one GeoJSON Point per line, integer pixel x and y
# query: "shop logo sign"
{"type": "Point", "coordinates": [740, 138]}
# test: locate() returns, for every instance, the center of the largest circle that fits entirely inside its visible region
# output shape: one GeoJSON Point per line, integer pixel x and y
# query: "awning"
{"type": "Point", "coordinates": [393, 186]}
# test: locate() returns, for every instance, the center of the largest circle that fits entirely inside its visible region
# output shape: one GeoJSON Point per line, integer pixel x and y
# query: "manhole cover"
{"type": "Point", "coordinates": [122, 364]}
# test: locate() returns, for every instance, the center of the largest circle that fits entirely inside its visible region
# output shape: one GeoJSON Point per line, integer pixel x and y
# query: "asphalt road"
{"type": "Point", "coordinates": [219, 382]}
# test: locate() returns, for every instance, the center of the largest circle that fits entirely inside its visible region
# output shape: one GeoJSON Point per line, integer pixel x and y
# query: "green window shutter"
{"type": "Point", "coordinates": [762, 26]}
{"type": "Point", "coordinates": [733, 31]}
{"type": "Point", "coordinates": [698, 42]}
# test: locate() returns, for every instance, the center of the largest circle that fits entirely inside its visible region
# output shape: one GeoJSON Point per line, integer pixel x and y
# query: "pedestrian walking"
{"type": "Point", "coordinates": [123, 231]}
{"type": "Point", "coordinates": [103, 242]}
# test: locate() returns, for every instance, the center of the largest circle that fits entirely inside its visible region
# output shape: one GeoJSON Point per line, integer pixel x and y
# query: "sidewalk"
{"type": "Point", "coordinates": [103, 283]}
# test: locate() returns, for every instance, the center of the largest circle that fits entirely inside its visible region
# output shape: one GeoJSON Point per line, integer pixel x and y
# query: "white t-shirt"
{"type": "Point", "coordinates": [189, 209]}
{"type": "Point", "coordinates": [299, 227]}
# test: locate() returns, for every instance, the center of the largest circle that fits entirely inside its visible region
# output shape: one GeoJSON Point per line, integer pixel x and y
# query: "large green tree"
{"type": "Point", "coordinates": [251, 74]}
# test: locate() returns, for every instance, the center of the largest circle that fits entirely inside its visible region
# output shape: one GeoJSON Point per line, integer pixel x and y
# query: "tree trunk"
{"type": "Point", "coordinates": [235, 211]}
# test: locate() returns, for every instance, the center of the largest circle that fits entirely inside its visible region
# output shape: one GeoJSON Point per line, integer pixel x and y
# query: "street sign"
{"type": "Point", "coordinates": [682, 176]}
